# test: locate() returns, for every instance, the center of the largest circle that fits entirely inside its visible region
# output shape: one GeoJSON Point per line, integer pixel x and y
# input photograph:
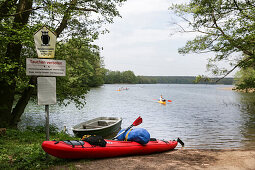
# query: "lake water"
{"type": "Point", "coordinates": [203, 116]}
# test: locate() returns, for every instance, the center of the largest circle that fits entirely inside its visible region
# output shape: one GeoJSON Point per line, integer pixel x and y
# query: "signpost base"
{"type": "Point", "coordinates": [47, 129]}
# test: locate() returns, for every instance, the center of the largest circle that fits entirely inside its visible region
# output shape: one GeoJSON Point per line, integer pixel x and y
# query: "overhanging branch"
{"type": "Point", "coordinates": [19, 13]}
{"type": "Point", "coordinates": [241, 62]}
{"type": "Point", "coordinates": [85, 9]}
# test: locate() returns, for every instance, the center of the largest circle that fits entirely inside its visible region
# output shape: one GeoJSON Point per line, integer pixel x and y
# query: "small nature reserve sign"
{"type": "Point", "coordinates": [45, 67]}
{"type": "Point", "coordinates": [45, 41]}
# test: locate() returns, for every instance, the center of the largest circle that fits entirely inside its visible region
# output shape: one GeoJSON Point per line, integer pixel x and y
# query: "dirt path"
{"type": "Point", "coordinates": [177, 159]}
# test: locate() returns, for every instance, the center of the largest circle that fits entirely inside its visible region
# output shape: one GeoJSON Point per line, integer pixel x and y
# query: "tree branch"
{"type": "Point", "coordinates": [228, 38]}
{"type": "Point", "coordinates": [241, 62]}
{"type": "Point", "coordinates": [28, 10]}
{"type": "Point", "coordinates": [249, 3]}
{"type": "Point", "coordinates": [65, 18]}
{"type": "Point", "coordinates": [85, 9]}
{"type": "Point", "coordinates": [241, 10]}
{"type": "Point", "coordinates": [6, 6]}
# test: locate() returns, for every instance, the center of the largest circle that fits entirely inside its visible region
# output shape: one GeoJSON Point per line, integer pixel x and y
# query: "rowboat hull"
{"type": "Point", "coordinates": [102, 126]}
{"type": "Point", "coordinates": [65, 150]}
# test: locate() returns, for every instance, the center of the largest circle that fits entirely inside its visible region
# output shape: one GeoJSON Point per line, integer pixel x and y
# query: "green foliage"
{"type": "Point", "coordinates": [84, 70]}
{"type": "Point", "coordinates": [201, 78]}
{"type": "Point", "coordinates": [41, 129]}
{"type": "Point", "coordinates": [79, 34]}
{"type": "Point", "coordinates": [115, 77]}
{"type": "Point", "coordinates": [22, 149]}
{"type": "Point", "coordinates": [182, 80]}
{"type": "Point", "coordinates": [245, 79]}
{"type": "Point", "coordinates": [76, 23]}
{"type": "Point", "coordinates": [129, 77]}
{"type": "Point", "coordinates": [226, 28]}
{"type": "Point", "coordinates": [146, 80]}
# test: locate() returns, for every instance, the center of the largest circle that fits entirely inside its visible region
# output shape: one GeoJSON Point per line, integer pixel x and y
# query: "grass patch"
{"type": "Point", "coordinates": [22, 149]}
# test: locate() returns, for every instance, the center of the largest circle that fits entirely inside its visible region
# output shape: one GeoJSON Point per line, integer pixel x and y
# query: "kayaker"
{"type": "Point", "coordinates": [162, 99]}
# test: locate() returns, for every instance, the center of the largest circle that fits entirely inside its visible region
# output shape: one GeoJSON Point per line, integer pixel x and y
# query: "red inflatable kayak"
{"type": "Point", "coordinates": [82, 149]}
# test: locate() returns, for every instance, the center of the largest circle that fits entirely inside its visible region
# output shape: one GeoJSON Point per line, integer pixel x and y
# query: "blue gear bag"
{"type": "Point", "coordinates": [139, 135]}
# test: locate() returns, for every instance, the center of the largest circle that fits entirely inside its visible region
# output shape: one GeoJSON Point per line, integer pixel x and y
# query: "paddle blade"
{"type": "Point", "coordinates": [138, 121]}
{"type": "Point", "coordinates": [169, 100]}
{"type": "Point", "coordinates": [180, 141]}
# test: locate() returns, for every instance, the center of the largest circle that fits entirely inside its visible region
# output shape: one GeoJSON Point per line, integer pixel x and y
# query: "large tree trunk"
{"type": "Point", "coordinates": [7, 86]}
{"type": "Point", "coordinates": [6, 102]}
{"type": "Point", "coordinates": [65, 18]}
{"type": "Point", "coordinates": [22, 102]}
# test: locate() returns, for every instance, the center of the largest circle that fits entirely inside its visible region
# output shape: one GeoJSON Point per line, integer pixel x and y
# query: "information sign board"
{"type": "Point", "coordinates": [45, 67]}
{"type": "Point", "coordinates": [46, 90]}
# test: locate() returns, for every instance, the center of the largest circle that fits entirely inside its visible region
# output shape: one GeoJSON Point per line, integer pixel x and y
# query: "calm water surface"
{"type": "Point", "coordinates": [203, 116]}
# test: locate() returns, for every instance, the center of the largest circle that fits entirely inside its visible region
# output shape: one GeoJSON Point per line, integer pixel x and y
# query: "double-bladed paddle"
{"type": "Point", "coordinates": [137, 122]}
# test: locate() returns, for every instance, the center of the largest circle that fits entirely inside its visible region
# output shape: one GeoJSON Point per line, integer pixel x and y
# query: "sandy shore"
{"type": "Point", "coordinates": [177, 159]}
{"type": "Point", "coordinates": [226, 88]}
{"type": "Point", "coordinates": [250, 90]}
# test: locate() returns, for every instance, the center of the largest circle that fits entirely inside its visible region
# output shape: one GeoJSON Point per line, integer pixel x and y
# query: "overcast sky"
{"type": "Point", "coordinates": [141, 41]}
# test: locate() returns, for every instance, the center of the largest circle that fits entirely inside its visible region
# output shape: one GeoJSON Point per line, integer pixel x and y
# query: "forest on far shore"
{"type": "Point", "coordinates": [116, 77]}
{"type": "Point", "coordinates": [181, 80]}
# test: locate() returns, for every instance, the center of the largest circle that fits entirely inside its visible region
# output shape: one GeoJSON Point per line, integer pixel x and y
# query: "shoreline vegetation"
{"type": "Point", "coordinates": [250, 90]}
{"type": "Point", "coordinates": [22, 150]}
{"type": "Point", "coordinates": [117, 77]}
{"type": "Point", "coordinates": [128, 77]}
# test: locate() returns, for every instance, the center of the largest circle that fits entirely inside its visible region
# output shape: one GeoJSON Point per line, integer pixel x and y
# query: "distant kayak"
{"type": "Point", "coordinates": [121, 89]}
{"type": "Point", "coordinates": [162, 102]}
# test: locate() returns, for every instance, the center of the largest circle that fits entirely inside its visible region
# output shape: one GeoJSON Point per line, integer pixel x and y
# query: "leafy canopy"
{"type": "Point", "coordinates": [77, 23]}
{"type": "Point", "coordinates": [225, 27]}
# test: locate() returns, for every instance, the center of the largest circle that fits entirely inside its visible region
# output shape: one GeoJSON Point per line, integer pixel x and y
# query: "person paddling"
{"type": "Point", "coordinates": [162, 99]}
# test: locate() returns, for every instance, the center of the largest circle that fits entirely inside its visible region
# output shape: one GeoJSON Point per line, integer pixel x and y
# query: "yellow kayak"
{"type": "Point", "coordinates": [162, 102]}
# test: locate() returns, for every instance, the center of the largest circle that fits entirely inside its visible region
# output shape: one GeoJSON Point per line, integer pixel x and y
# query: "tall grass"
{"type": "Point", "coordinates": [22, 149]}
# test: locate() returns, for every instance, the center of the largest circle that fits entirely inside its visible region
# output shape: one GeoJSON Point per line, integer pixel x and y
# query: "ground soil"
{"type": "Point", "coordinates": [182, 159]}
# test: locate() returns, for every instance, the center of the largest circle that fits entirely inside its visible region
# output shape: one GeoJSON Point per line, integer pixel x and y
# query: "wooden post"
{"type": "Point", "coordinates": [47, 129]}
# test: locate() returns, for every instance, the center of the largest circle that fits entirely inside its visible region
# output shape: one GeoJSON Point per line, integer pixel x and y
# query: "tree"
{"type": "Point", "coordinates": [226, 28]}
{"type": "Point", "coordinates": [84, 70]}
{"type": "Point", "coordinates": [129, 77]}
{"type": "Point", "coordinates": [245, 79]}
{"type": "Point", "coordinates": [113, 77]}
{"type": "Point", "coordinates": [19, 20]}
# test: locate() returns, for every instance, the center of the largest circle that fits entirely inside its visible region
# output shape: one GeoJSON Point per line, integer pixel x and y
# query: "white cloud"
{"type": "Point", "coordinates": [134, 7]}
{"type": "Point", "coordinates": [144, 36]}
{"type": "Point", "coordinates": [141, 41]}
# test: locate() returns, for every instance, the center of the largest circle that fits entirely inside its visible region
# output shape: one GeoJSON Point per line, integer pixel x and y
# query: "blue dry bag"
{"type": "Point", "coordinates": [139, 135]}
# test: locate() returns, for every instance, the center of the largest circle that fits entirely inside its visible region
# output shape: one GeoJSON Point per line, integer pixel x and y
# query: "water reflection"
{"type": "Point", "coordinates": [247, 108]}
{"type": "Point", "coordinates": [203, 116]}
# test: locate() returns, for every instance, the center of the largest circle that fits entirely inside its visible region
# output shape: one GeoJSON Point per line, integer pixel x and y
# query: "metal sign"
{"type": "Point", "coordinates": [46, 90]}
{"type": "Point", "coordinates": [45, 41]}
{"type": "Point", "coordinates": [45, 67]}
